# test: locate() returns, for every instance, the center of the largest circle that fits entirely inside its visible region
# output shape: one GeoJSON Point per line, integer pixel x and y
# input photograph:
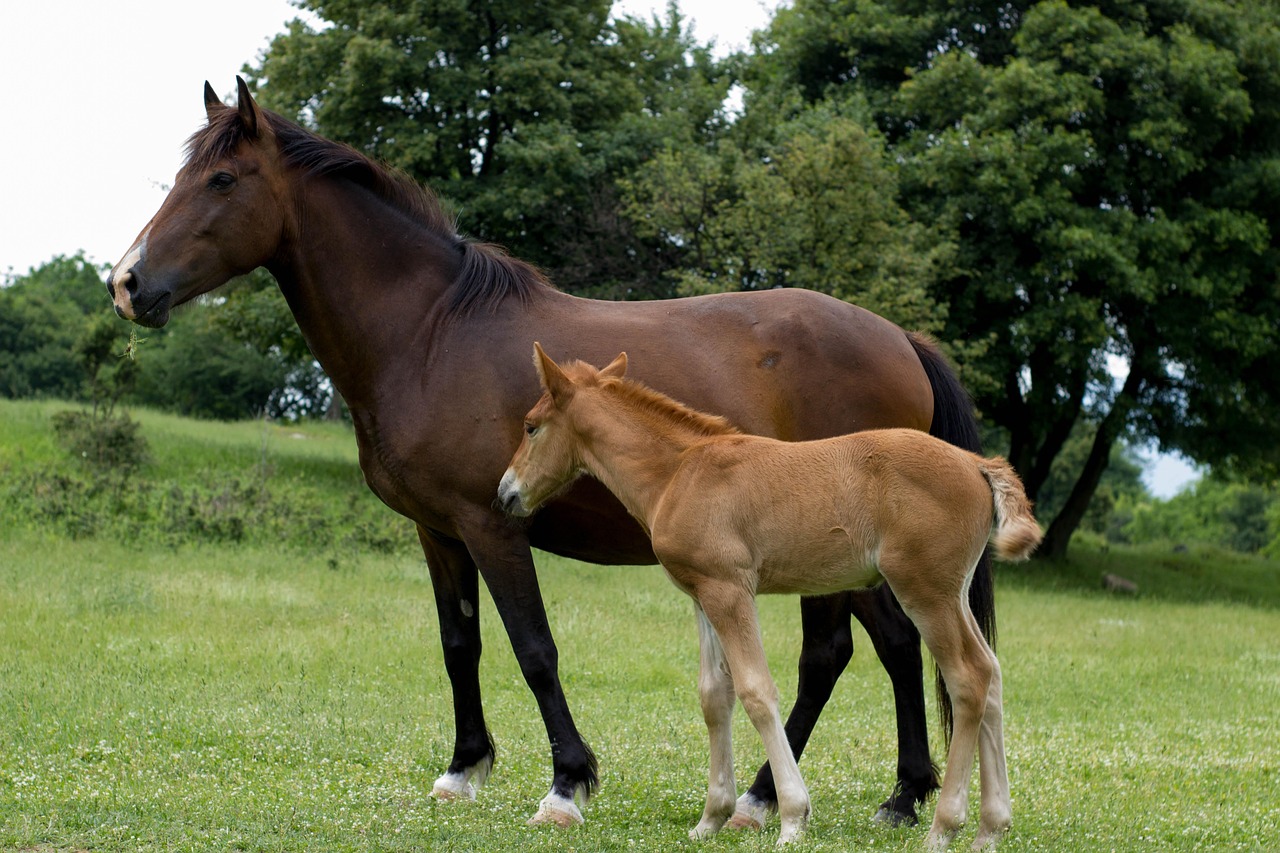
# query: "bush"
{"type": "Point", "coordinates": [104, 442]}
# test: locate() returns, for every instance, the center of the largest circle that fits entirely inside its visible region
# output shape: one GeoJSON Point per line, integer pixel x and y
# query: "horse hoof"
{"type": "Point", "coordinates": [452, 788]}
{"type": "Point", "coordinates": [557, 811]}
{"type": "Point", "coordinates": [890, 817]}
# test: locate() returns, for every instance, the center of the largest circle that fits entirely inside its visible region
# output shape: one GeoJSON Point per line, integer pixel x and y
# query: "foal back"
{"type": "Point", "coordinates": [820, 516]}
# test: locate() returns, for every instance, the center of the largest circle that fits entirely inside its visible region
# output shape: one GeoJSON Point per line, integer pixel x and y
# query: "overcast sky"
{"type": "Point", "coordinates": [97, 98]}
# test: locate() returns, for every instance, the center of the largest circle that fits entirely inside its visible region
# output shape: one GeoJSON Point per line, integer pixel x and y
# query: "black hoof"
{"type": "Point", "coordinates": [894, 816]}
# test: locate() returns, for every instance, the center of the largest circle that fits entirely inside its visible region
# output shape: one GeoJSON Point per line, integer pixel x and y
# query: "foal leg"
{"type": "Point", "coordinates": [732, 612]}
{"type": "Point", "coordinates": [715, 690]}
{"type": "Point", "coordinates": [968, 669]}
{"type": "Point", "coordinates": [996, 814]}
{"type": "Point", "coordinates": [966, 663]}
{"type": "Point", "coordinates": [826, 650]}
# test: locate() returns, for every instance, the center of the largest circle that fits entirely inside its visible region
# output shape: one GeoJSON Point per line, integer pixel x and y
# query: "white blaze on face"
{"type": "Point", "coordinates": [120, 276]}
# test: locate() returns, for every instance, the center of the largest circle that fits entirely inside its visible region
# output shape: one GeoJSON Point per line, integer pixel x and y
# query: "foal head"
{"type": "Point", "coordinates": [548, 458]}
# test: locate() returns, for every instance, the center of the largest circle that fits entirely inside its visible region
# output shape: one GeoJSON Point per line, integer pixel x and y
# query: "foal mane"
{"type": "Point", "coordinates": [655, 405]}
{"type": "Point", "coordinates": [488, 275]}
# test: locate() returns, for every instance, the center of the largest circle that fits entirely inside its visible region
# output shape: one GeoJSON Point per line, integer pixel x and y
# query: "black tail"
{"type": "Point", "coordinates": [955, 423]}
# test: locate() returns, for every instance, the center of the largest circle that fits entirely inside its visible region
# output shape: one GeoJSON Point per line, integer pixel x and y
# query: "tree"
{"type": "Point", "coordinates": [42, 315]}
{"type": "Point", "coordinates": [522, 115]}
{"type": "Point", "coordinates": [815, 207]}
{"type": "Point", "coordinates": [255, 315]}
{"type": "Point", "coordinates": [1110, 175]}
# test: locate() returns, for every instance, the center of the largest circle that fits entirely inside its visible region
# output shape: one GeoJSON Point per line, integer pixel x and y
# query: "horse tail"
{"type": "Point", "coordinates": [954, 422]}
{"type": "Point", "coordinates": [1015, 533]}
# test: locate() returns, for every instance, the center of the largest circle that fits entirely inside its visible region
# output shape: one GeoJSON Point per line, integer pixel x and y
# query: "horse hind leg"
{"type": "Point", "coordinates": [715, 691]}
{"type": "Point", "coordinates": [897, 645]}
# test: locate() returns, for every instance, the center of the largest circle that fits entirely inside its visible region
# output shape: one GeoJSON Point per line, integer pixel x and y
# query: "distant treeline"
{"type": "Point", "coordinates": [1080, 202]}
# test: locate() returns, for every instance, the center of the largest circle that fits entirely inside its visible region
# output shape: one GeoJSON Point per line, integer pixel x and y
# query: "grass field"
{"type": "Point", "coordinates": [187, 695]}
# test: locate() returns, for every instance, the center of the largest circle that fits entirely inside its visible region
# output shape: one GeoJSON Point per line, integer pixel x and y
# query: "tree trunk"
{"type": "Point", "coordinates": [1058, 537]}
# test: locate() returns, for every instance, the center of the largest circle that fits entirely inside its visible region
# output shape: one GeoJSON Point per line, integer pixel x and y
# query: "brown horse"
{"type": "Point", "coordinates": [426, 335]}
{"type": "Point", "coordinates": [733, 515]}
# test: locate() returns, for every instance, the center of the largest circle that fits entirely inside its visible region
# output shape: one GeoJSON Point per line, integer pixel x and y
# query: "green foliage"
{"type": "Point", "coordinates": [41, 318]}
{"type": "Point", "coordinates": [255, 315]}
{"type": "Point", "coordinates": [1108, 175]}
{"type": "Point", "coordinates": [522, 117]}
{"type": "Point", "coordinates": [816, 209]}
{"type": "Point", "coordinates": [1120, 484]}
{"type": "Point", "coordinates": [107, 443]}
{"type": "Point", "coordinates": [1219, 511]}
{"type": "Point", "coordinates": [295, 486]}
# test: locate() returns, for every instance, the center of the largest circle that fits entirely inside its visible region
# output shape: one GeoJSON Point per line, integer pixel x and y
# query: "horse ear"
{"type": "Point", "coordinates": [212, 103]}
{"type": "Point", "coordinates": [616, 368]}
{"type": "Point", "coordinates": [248, 109]}
{"type": "Point", "coordinates": [553, 379]}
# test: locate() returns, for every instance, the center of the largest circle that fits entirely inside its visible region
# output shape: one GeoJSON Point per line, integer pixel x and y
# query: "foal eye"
{"type": "Point", "coordinates": [222, 181]}
{"type": "Point", "coordinates": [530, 429]}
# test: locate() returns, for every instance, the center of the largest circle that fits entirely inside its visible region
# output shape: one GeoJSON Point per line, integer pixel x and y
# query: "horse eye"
{"type": "Point", "coordinates": [530, 429]}
{"type": "Point", "coordinates": [222, 181]}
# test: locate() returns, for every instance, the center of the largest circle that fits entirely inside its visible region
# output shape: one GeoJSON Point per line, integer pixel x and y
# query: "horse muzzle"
{"type": "Point", "coordinates": [133, 302]}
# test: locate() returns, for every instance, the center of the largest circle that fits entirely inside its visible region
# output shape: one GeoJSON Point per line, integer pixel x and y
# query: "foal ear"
{"type": "Point", "coordinates": [248, 109]}
{"type": "Point", "coordinates": [212, 103]}
{"type": "Point", "coordinates": [616, 368]}
{"type": "Point", "coordinates": [553, 379]}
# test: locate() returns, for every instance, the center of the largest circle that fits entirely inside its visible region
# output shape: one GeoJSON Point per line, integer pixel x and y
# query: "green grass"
{"type": "Point", "coordinates": [165, 696]}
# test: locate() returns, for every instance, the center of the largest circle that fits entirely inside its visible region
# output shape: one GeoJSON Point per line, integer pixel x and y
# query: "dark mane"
{"type": "Point", "coordinates": [488, 275]}
{"type": "Point", "coordinates": [659, 405]}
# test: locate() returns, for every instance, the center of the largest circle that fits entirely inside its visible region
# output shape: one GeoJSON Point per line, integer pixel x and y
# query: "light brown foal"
{"type": "Point", "coordinates": [732, 515]}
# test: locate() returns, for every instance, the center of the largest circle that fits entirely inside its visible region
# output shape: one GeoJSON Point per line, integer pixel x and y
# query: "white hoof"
{"type": "Point", "coordinates": [462, 785]}
{"type": "Point", "coordinates": [453, 787]}
{"type": "Point", "coordinates": [749, 813]}
{"type": "Point", "coordinates": [705, 829]}
{"type": "Point", "coordinates": [792, 829]}
{"type": "Point", "coordinates": [558, 811]}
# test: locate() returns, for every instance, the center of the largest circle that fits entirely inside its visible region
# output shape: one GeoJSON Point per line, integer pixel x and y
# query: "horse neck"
{"type": "Point", "coordinates": [363, 279]}
{"type": "Point", "coordinates": [634, 454]}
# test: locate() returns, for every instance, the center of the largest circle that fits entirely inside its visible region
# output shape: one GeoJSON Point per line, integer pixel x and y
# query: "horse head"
{"type": "Point", "coordinates": [224, 216]}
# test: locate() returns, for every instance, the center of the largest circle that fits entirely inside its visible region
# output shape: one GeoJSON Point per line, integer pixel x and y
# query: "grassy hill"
{"type": "Point", "coordinates": [171, 682]}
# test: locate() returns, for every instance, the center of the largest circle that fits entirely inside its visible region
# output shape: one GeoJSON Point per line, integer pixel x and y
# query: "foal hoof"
{"type": "Point", "coordinates": [557, 811]}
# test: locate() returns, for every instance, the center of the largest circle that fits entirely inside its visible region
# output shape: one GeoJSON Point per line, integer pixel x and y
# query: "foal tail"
{"type": "Point", "coordinates": [1015, 533]}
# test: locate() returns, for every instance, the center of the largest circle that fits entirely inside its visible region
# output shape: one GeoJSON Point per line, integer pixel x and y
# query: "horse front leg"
{"type": "Point", "coordinates": [506, 564]}
{"type": "Point", "coordinates": [455, 582]}
{"type": "Point", "coordinates": [826, 649]}
{"type": "Point", "coordinates": [897, 644]}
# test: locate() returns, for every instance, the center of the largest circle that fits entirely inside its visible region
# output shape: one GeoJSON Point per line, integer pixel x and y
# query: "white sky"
{"type": "Point", "coordinates": [98, 98]}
